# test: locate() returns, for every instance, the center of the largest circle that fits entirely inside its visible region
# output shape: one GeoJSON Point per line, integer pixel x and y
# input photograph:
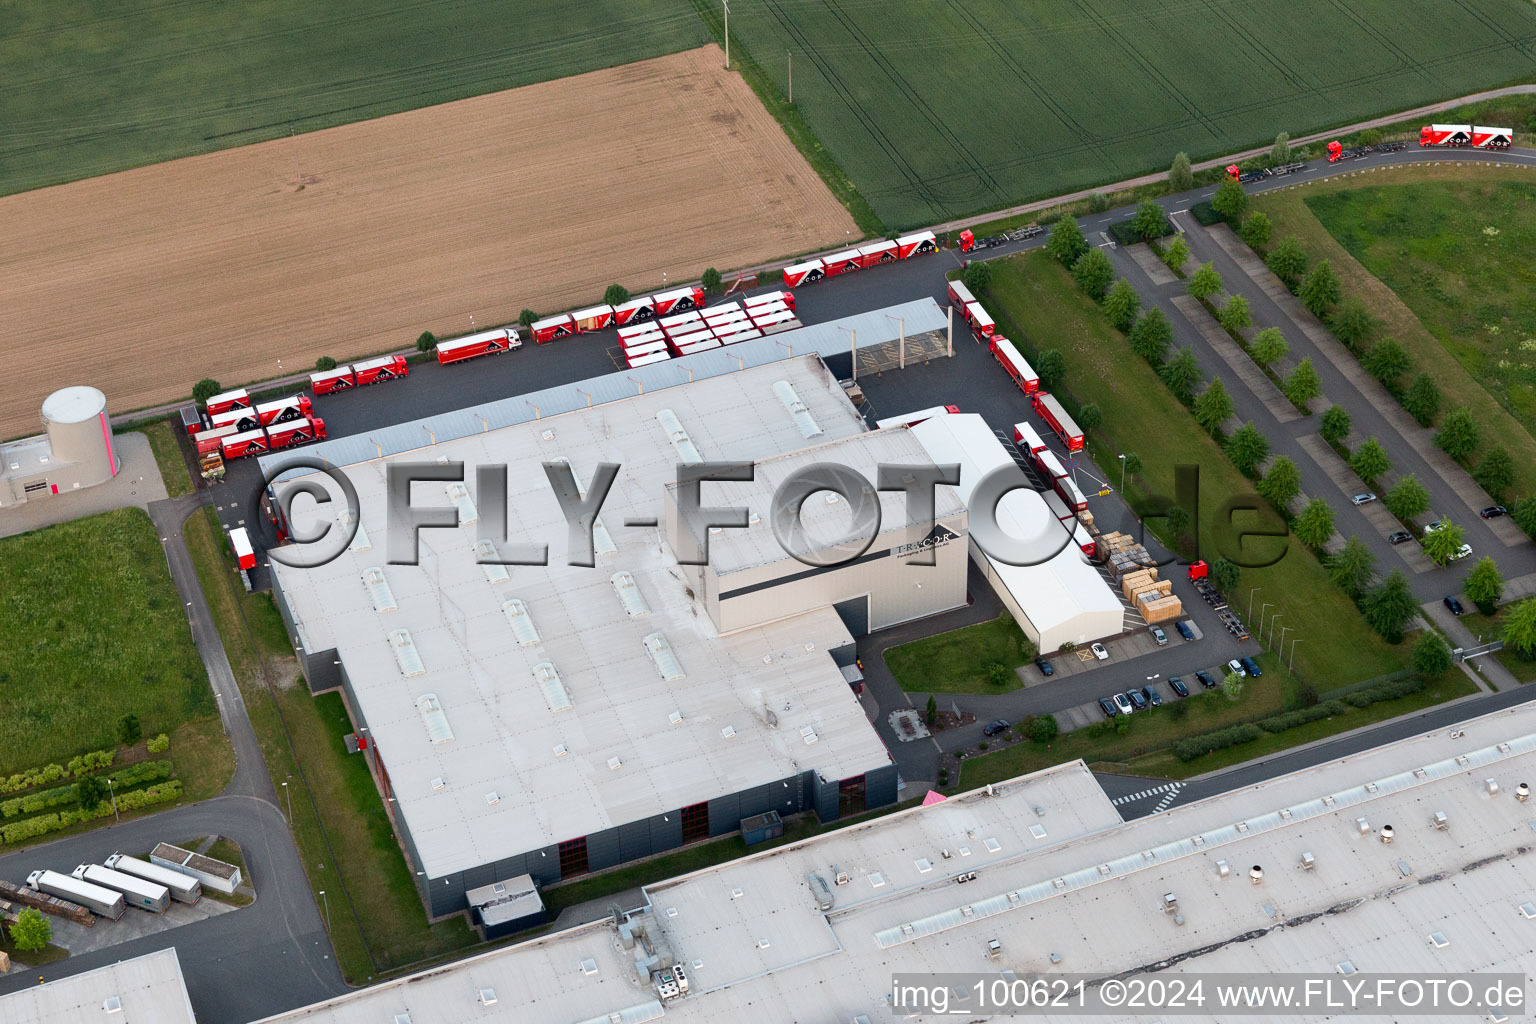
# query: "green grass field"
{"type": "Point", "coordinates": [940, 110]}
{"type": "Point", "coordinates": [92, 88]}
{"type": "Point", "coordinates": [1462, 256]}
{"type": "Point", "coordinates": [1434, 303]}
{"type": "Point", "coordinates": [93, 629]}
{"type": "Point", "coordinates": [958, 661]}
{"type": "Point", "coordinates": [1036, 302]}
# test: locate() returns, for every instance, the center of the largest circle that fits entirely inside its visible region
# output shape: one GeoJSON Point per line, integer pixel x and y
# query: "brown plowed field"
{"type": "Point", "coordinates": [356, 239]}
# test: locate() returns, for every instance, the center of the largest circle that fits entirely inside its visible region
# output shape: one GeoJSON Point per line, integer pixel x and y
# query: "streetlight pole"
{"type": "Point", "coordinates": [1255, 590]}
{"type": "Point", "coordinates": [727, 5]}
{"type": "Point", "coordinates": [853, 348]}
{"type": "Point", "coordinates": [1292, 666]}
{"type": "Point", "coordinates": [1262, 612]}
{"type": "Point", "coordinates": [1281, 645]}
{"type": "Point", "coordinates": [1122, 474]}
{"type": "Point", "coordinates": [290, 804]}
{"type": "Point", "coordinates": [112, 791]}
{"type": "Point", "coordinates": [327, 911]}
{"type": "Point", "coordinates": [903, 350]}
{"type": "Point", "coordinates": [1272, 623]}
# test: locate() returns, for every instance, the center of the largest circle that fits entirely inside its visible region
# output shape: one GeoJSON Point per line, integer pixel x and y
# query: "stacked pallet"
{"type": "Point", "coordinates": [1132, 582]}
{"type": "Point", "coordinates": [1160, 609]}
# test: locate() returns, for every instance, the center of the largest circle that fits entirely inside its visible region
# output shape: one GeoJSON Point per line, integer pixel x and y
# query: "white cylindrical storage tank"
{"type": "Point", "coordinates": [79, 437]}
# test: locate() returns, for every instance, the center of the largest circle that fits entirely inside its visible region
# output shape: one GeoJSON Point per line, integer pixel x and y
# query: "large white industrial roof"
{"type": "Point", "coordinates": [521, 771]}
{"type": "Point", "coordinates": [827, 522]}
{"type": "Point", "coordinates": [1058, 590]}
{"type": "Point", "coordinates": [144, 990]}
{"type": "Point", "coordinates": [1065, 888]}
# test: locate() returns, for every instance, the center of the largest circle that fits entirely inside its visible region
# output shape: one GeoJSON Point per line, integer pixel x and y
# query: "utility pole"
{"type": "Point", "coordinates": [114, 800]}
{"type": "Point", "coordinates": [727, 5]}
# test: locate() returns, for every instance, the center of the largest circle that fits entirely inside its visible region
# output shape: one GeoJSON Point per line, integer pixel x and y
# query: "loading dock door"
{"type": "Point", "coordinates": [855, 614]}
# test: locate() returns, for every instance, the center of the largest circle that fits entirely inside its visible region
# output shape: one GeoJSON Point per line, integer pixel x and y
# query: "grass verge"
{"type": "Point", "coordinates": [343, 835]}
{"type": "Point", "coordinates": [93, 630]}
{"type": "Point", "coordinates": [49, 954]}
{"type": "Point", "coordinates": [958, 661]}
{"type": "Point", "coordinates": [228, 851]}
{"type": "Point", "coordinates": [1039, 306]}
{"type": "Point", "coordinates": [1488, 627]}
{"type": "Point", "coordinates": [1290, 211]}
{"type": "Point", "coordinates": [173, 465]}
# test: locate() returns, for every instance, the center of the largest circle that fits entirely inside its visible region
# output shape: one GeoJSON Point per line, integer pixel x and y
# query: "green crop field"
{"type": "Point", "coordinates": [93, 629]}
{"type": "Point", "coordinates": [90, 88]}
{"type": "Point", "coordinates": [938, 109]}
{"type": "Point", "coordinates": [1462, 256]}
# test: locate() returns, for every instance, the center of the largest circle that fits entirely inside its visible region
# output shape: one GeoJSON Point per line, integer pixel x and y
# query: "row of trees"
{"type": "Point", "coordinates": [1352, 322]}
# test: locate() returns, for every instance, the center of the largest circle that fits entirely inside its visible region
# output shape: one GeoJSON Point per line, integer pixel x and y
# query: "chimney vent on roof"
{"type": "Point", "coordinates": [1223, 869]}
{"type": "Point", "coordinates": [1492, 785]}
{"type": "Point", "coordinates": [1440, 821]}
{"type": "Point", "coordinates": [1256, 874]}
{"type": "Point", "coordinates": [1386, 834]}
{"type": "Point", "coordinates": [492, 798]}
{"type": "Point", "coordinates": [438, 785]}
{"type": "Point", "coordinates": [1522, 792]}
{"type": "Point", "coordinates": [1170, 902]}
{"type": "Point", "coordinates": [1363, 825]}
{"type": "Point", "coordinates": [1308, 862]}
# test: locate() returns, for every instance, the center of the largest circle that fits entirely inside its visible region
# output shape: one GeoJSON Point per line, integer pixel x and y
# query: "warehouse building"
{"type": "Point", "coordinates": [1063, 599]}
{"type": "Point", "coordinates": [1409, 859]}
{"type": "Point", "coordinates": [147, 989]}
{"type": "Point", "coordinates": [552, 720]}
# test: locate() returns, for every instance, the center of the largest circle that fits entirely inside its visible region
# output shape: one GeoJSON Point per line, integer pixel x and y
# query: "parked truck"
{"type": "Point", "coordinates": [137, 892]}
{"type": "Point", "coordinates": [1055, 416]}
{"type": "Point", "coordinates": [98, 899]}
{"type": "Point", "coordinates": [183, 887]}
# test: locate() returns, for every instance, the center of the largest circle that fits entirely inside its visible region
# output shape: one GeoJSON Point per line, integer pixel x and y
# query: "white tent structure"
{"type": "Point", "coordinates": [1064, 598]}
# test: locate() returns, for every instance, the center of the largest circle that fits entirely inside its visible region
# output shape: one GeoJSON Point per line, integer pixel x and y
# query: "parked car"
{"type": "Point", "coordinates": [1153, 697]}
{"type": "Point", "coordinates": [1206, 680]}
{"type": "Point", "coordinates": [1099, 651]}
{"type": "Point", "coordinates": [1363, 498]}
{"type": "Point", "coordinates": [1122, 704]}
{"type": "Point", "coordinates": [1454, 605]}
{"type": "Point", "coordinates": [993, 728]}
{"type": "Point", "coordinates": [1236, 666]}
{"type": "Point", "coordinates": [1462, 552]}
{"type": "Point", "coordinates": [1493, 512]}
{"type": "Point", "coordinates": [1158, 635]}
{"type": "Point", "coordinates": [1178, 686]}
{"type": "Point", "coordinates": [1108, 707]}
{"type": "Point", "coordinates": [1251, 667]}
{"type": "Point", "coordinates": [1435, 527]}
{"type": "Point", "coordinates": [1400, 537]}
{"type": "Point", "coordinates": [1045, 667]}
{"type": "Point", "coordinates": [1137, 700]}
{"type": "Point", "coordinates": [1184, 631]}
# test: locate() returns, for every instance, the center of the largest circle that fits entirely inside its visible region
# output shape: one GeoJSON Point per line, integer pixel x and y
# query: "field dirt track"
{"type": "Point", "coordinates": [356, 239]}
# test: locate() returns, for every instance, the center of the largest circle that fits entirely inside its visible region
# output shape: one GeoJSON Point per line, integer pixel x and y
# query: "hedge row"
{"type": "Point", "coordinates": [1291, 719]}
{"type": "Point", "coordinates": [1192, 747]}
{"type": "Point", "coordinates": [1206, 214]}
{"type": "Point", "coordinates": [133, 775]}
{"type": "Point", "coordinates": [1125, 233]}
{"type": "Point", "coordinates": [31, 828]}
{"type": "Point", "coordinates": [89, 762]}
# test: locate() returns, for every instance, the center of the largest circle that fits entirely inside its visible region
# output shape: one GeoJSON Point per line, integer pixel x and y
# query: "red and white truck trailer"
{"type": "Point", "coordinates": [980, 321]}
{"type": "Point", "coordinates": [960, 296]}
{"type": "Point", "coordinates": [1007, 354]}
{"type": "Point", "coordinates": [845, 262]}
{"type": "Point", "coordinates": [236, 399]}
{"type": "Point", "coordinates": [808, 272]}
{"type": "Point", "coordinates": [637, 310]}
{"type": "Point", "coordinates": [746, 332]}
{"type": "Point", "coordinates": [212, 438]}
{"type": "Point", "coordinates": [593, 319]}
{"type": "Point", "coordinates": [1057, 419]}
{"type": "Point", "coordinates": [472, 346]}
{"type": "Point", "coordinates": [265, 439]}
{"type": "Point", "coordinates": [776, 322]}
{"type": "Point", "coordinates": [647, 360]}
{"type": "Point", "coordinates": [1025, 437]}
{"type": "Point", "coordinates": [328, 382]}
{"type": "Point", "coordinates": [1049, 465]}
{"type": "Point", "coordinates": [552, 328]}
{"type": "Point", "coordinates": [681, 323]}
{"type": "Point", "coordinates": [374, 371]}
{"type": "Point", "coordinates": [245, 555]}
{"type": "Point", "coordinates": [239, 417]}
{"type": "Point", "coordinates": [294, 407]}
{"type": "Point", "coordinates": [1465, 136]}
{"type": "Point", "coordinates": [679, 301]}
{"type": "Point", "coordinates": [879, 252]}
{"type": "Point", "coordinates": [1070, 494]}
{"type": "Point", "coordinates": [917, 245]}
{"type": "Point", "coordinates": [787, 298]}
